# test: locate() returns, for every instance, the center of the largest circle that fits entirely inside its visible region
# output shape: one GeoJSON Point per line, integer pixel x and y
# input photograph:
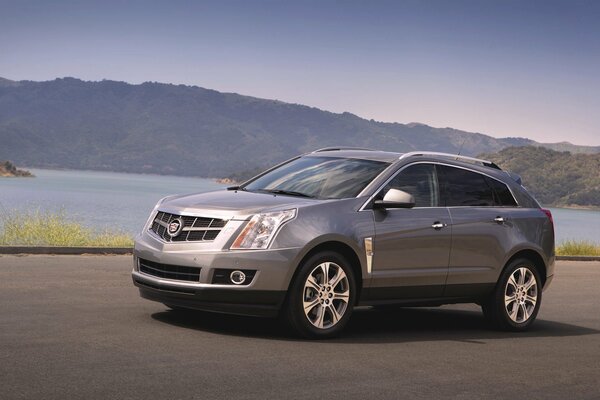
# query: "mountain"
{"type": "Point", "coordinates": [555, 178]}
{"type": "Point", "coordinates": [188, 130]}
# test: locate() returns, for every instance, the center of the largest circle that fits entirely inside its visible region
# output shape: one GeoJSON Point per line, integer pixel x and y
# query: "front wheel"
{"type": "Point", "coordinates": [516, 300]}
{"type": "Point", "coordinates": [322, 296]}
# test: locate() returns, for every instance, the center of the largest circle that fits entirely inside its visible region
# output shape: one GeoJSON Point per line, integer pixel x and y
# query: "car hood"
{"type": "Point", "coordinates": [231, 204]}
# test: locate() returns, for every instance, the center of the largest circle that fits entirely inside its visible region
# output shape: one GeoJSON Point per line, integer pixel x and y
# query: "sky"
{"type": "Point", "coordinates": [503, 68]}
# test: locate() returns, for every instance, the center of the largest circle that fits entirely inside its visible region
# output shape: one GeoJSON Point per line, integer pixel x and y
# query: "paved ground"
{"type": "Point", "coordinates": [74, 327]}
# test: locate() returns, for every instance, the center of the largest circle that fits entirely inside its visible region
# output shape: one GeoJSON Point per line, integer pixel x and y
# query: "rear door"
{"type": "Point", "coordinates": [479, 207]}
{"type": "Point", "coordinates": [411, 246]}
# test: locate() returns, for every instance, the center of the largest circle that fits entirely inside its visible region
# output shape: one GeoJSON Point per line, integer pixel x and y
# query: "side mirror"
{"type": "Point", "coordinates": [395, 198]}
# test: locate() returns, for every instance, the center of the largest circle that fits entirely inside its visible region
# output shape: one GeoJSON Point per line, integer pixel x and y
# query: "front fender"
{"type": "Point", "coordinates": [337, 222]}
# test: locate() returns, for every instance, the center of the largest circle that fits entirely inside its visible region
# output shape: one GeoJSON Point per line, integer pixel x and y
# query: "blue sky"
{"type": "Point", "coordinates": [506, 68]}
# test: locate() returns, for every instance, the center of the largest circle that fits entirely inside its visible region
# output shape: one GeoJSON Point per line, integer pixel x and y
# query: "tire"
{"type": "Point", "coordinates": [521, 283]}
{"type": "Point", "coordinates": [329, 303]}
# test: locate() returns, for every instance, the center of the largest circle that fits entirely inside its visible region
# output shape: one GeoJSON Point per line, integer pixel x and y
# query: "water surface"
{"type": "Point", "coordinates": [109, 200]}
{"type": "Point", "coordinates": [96, 199]}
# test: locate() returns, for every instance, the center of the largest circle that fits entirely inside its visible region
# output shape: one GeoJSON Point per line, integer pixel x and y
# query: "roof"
{"type": "Point", "coordinates": [388, 156]}
{"type": "Point", "coordinates": [363, 154]}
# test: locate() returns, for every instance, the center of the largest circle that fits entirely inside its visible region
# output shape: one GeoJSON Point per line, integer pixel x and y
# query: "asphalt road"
{"type": "Point", "coordinates": [74, 327]}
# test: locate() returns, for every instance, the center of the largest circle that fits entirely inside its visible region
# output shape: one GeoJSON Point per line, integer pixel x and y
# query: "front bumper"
{"type": "Point", "coordinates": [262, 297]}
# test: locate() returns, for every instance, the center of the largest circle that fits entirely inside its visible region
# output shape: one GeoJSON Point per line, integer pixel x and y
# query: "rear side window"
{"type": "Point", "coordinates": [420, 180]}
{"type": "Point", "coordinates": [502, 195]}
{"type": "Point", "coordinates": [460, 187]}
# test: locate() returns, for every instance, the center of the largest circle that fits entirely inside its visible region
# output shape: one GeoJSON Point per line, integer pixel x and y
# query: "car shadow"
{"type": "Point", "coordinates": [375, 326]}
{"type": "Point", "coordinates": [434, 324]}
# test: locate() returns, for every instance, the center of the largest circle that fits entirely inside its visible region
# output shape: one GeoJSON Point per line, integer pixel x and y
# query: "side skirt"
{"type": "Point", "coordinates": [426, 295]}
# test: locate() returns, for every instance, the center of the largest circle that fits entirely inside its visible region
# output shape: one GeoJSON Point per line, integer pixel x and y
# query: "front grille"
{"type": "Point", "coordinates": [166, 271]}
{"type": "Point", "coordinates": [195, 229]}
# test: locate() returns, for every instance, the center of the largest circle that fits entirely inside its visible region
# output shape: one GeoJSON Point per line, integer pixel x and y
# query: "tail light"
{"type": "Point", "coordinates": [549, 215]}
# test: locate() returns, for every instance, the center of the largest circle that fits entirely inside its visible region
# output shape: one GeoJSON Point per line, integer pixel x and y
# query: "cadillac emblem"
{"type": "Point", "coordinates": [175, 227]}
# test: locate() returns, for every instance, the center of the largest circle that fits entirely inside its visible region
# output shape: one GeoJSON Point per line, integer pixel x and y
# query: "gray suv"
{"type": "Point", "coordinates": [313, 237]}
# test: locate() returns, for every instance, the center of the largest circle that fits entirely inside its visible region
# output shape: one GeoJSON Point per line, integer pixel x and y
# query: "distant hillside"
{"type": "Point", "coordinates": [554, 178]}
{"type": "Point", "coordinates": [185, 130]}
{"type": "Point", "coordinates": [8, 169]}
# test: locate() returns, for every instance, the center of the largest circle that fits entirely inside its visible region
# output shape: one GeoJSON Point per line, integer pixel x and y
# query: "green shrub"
{"type": "Point", "coordinates": [54, 229]}
{"type": "Point", "coordinates": [578, 248]}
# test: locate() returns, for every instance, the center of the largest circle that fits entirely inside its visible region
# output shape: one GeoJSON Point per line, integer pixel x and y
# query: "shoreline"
{"type": "Point", "coordinates": [10, 170]}
{"type": "Point", "coordinates": [230, 181]}
{"type": "Point", "coordinates": [577, 207]}
{"type": "Point", "coordinates": [100, 171]}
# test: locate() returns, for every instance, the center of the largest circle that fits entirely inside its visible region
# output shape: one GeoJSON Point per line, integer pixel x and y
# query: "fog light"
{"type": "Point", "coordinates": [237, 277]}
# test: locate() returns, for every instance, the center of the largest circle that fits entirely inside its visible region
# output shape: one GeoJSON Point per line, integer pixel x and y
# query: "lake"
{"type": "Point", "coordinates": [96, 199]}
{"type": "Point", "coordinates": [104, 200]}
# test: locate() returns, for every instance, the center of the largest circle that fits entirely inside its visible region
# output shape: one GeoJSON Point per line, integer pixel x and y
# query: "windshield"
{"type": "Point", "coordinates": [319, 177]}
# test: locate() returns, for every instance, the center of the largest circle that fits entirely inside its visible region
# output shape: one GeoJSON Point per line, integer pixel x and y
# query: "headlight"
{"type": "Point", "coordinates": [261, 229]}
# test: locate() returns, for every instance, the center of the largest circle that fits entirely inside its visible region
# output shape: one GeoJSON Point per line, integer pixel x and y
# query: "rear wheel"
{"type": "Point", "coordinates": [515, 303]}
{"type": "Point", "coordinates": [322, 296]}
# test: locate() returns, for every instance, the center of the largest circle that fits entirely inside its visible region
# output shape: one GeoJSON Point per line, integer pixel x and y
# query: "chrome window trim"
{"type": "Point", "coordinates": [362, 208]}
{"type": "Point", "coordinates": [489, 176]}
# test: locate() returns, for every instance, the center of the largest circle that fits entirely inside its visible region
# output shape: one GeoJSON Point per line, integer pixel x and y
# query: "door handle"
{"type": "Point", "coordinates": [499, 220]}
{"type": "Point", "coordinates": [437, 225]}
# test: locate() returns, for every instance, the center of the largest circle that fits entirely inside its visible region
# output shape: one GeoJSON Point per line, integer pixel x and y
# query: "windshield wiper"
{"type": "Point", "coordinates": [287, 192]}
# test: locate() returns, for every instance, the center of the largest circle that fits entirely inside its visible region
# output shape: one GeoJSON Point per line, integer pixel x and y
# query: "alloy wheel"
{"type": "Point", "coordinates": [521, 295]}
{"type": "Point", "coordinates": [326, 295]}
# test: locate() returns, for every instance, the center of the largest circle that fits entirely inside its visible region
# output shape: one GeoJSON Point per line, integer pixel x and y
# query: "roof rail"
{"type": "Point", "coordinates": [339, 148]}
{"type": "Point", "coordinates": [485, 163]}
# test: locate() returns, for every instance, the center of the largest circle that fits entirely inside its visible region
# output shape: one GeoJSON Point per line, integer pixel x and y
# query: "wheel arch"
{"type": "Point", "coordinates": [338, 246]}
{"type": "Point", "coordinates": [535, 257]}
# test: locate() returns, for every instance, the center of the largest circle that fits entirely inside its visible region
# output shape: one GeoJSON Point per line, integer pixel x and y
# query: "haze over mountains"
{"type": "Point", "coordinates": [188, 130]}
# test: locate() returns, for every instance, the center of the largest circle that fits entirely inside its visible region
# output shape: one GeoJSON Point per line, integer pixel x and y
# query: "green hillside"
{"type": "Point", "coordinates": [555, 178]}
{"type": "Point", "coordinates": [188, 130]}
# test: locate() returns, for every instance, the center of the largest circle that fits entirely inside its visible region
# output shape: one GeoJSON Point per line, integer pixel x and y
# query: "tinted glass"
{"type": "Point", "coordinates": [420, 181]}
{"type": "Point", "coordinates": [320, 177]}
{"type": "Point", "coordinates": [502, 195]}
{"type": "Point", "coordinates": [464, 188]}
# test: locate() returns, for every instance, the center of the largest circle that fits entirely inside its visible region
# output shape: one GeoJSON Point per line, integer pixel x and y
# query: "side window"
{"type": "Point", "coordinates": [502, 195]}
{"type": "Point", "coordinates": [420, 180]}
{"type": "Point", "coordinates": [460, 187]}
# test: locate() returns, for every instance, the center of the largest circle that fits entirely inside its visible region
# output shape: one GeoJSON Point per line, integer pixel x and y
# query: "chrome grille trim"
{"type": "Point", "coordinates": [195, 229]}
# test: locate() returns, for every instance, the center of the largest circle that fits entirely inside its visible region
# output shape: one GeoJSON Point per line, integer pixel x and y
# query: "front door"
{"type": "Point", "coordinates": [411, 247]}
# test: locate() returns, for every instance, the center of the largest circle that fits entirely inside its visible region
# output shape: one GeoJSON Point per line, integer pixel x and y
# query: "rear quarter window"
{"type": "Point", "coordinates": [502, 195]}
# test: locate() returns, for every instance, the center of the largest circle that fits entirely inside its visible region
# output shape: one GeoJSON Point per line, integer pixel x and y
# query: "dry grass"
{"type": "Point", "coordinates": [578, 248]}
{"type": "Point", "coordinates": [54, 229]}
